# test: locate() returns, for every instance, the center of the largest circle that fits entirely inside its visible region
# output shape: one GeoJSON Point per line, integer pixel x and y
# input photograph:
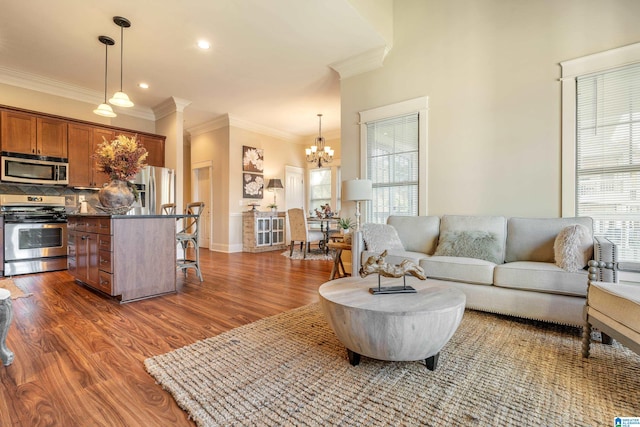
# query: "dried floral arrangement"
{"type": "Point", "coordinates": [121, 158]}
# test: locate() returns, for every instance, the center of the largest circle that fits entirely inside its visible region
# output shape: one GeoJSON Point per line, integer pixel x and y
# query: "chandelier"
{"type": "Point", "coordinates": [319, 153]}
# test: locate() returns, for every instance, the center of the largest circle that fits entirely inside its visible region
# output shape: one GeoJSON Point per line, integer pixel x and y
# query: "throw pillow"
{"type": "Point", "coordinates": [380, 237]}
{"type": "Point", "coordinates": [470, 244]}
{"type": "Point", "coordinates": [573, 247]}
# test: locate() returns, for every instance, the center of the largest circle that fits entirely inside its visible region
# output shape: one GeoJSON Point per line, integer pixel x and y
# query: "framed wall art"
{"type": "Point", "coordinates": [252, 159]}
{"type": "Point", "coordinates": [252, 185]}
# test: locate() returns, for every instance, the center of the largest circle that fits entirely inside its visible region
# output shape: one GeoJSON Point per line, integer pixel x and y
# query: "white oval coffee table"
{"type": "Point", "coordinates": [394, 327]}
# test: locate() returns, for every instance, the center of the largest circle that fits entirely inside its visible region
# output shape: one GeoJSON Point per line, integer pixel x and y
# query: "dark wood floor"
{"type": "Point", "coordinates": [79, 355]}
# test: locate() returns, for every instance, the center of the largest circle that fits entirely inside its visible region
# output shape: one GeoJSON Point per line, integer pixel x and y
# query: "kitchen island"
{"type": "Point", "coordinates": [129, 257]}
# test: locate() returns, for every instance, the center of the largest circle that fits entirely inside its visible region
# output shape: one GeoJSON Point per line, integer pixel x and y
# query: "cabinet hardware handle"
{"type": "Point", "coordinates": [84, 237]}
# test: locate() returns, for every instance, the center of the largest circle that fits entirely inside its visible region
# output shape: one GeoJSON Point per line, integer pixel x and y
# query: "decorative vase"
{"type": "Point", "coordinates": [116, 196]}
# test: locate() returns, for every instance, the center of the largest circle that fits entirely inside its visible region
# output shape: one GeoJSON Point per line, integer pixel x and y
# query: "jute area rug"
{"type": "Point", "coordinates": [290, 369]}
{"type": "Point", "coordinates": [16, 292]}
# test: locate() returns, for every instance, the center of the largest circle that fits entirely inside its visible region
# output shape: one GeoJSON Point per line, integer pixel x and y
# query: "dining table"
{"type": "Point", "coordinates": [325, 227]}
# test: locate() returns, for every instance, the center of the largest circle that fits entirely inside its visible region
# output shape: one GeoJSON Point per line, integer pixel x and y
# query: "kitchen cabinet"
{"type": "Point", "coordinates": [32, 134]}
{"type": "Point", "coordinates": [155, 147]}
{"type": "Point", "coordinates": [111, 254]}
{"type": "Point", "coordinates": [263, 231]}
{"type": "Point", "coordinates": [82, 251]}
{"type": "Point", "coordinates": [83, 140]}
{"type": "Point", "coordinates": [2, 240]}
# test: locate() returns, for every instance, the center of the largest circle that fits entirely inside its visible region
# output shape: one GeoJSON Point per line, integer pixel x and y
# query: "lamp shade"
{"type": "Point", "coordinates": [274, 183]}
{"type": "Point", "coordinates": [357, 189]}
{"type": "Point", "coordinates": [104, 110]}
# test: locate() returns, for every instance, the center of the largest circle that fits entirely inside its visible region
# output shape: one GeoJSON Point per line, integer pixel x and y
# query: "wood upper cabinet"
{"type": "Point", "coordinates": [31, 134]}
{"type": "Point", "coordinates": [155, 147]}
{"type": "Point", "coordinates": [83, 140]}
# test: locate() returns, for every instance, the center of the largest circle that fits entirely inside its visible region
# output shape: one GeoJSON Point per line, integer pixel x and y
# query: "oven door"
{"type": "Point", "coordinates": [31, 248]}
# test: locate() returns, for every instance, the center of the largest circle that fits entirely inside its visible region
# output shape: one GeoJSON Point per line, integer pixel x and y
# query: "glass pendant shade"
{"type": "Point", "coordinates": [104, 110]}
{"type": "Point", "coordinates": [121, 100]}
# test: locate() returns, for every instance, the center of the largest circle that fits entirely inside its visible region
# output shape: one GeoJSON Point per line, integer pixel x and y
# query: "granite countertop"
{"type": "Point", "coordinates": [174, 216]}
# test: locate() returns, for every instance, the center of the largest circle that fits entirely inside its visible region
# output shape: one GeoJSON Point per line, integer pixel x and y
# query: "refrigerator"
{"type": "Point", "coordinates": [156, 186]}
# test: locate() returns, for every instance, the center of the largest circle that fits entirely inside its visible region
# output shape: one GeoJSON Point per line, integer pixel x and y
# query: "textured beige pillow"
{"type": "Point", "coordinates": [477, 244]}
{"type": "Point", "coordinates": [381, 237]}
{"type": "Point", "coordinates": [573, 248]}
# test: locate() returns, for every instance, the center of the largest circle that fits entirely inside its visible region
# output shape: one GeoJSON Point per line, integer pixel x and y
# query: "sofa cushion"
{"type": "Point", "coordinates": [573, 247]}
{"type": "Point", "coordinates": [541, 277]}
{"type": "Point", "coordinates": [619, 301]}
{"type": "Point", "coordinates": [531, 239]}
{"type": "Point", "coordinates": [495, 225]}
{"type": "Point", "coordinates": [380, 237]}
{"type": "Point", "coordinates": [471, 244]}
{"type": "Point", "coordinates": [459, 269]}
{"type": "Point", "coordinates": [417, 233]}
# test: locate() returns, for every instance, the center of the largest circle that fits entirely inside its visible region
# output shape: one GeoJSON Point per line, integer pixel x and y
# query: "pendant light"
{"type": "Point", "coordinates": [105, 109]}
{"type": "Point", "coordinates": [120, 98]}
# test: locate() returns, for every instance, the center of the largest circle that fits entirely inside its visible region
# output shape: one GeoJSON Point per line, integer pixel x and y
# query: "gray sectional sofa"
{"type": "Point", "coordinates": [505, 266]}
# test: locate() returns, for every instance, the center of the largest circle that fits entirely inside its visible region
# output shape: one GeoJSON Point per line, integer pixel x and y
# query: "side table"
{"type": "Point", "coordinates": [337, 260]}
{"type": "Point", "coordinates": [6, 314]}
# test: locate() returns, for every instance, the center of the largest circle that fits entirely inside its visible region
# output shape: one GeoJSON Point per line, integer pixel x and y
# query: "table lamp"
{"type": "Point", "coordinates": [273, 185]}
{"type": "Point", "coordinates": [357, 190]}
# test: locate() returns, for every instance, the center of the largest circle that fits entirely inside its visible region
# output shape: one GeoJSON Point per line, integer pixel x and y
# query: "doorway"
{"type": "Point", "coordinates": [202, 191]}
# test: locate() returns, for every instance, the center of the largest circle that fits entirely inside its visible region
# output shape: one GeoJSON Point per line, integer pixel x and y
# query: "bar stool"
{"type": "Point", "coordinates": [189, 236]}
{"type": "Point", "coordinates": [168, 209]}
{"type": "Point", "coordinates": [6, 314]}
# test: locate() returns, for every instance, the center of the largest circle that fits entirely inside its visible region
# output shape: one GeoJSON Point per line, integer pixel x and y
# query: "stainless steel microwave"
{"type": "Point", "coordinates": [34, 171]}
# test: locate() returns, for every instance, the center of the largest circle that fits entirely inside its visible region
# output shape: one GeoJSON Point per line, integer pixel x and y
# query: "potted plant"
{"type": "Point", "coordinates": [273, 206]}
{"type": "Point", "coordinates": [345, 224]}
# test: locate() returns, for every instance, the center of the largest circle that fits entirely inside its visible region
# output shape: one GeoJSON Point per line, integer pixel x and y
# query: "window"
{"type": "Point", "coordinates": [601, 145]}
{"type": "Point", "coordinates": [608, 157]}
{"type": "Point", "coordinates": [392, 166]}
{"type": "Point", "coordinates": [320, 188]}
{"type": "Point", "coordinates": [394, 147]}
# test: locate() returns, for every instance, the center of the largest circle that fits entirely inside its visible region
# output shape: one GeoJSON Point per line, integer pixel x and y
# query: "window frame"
{"type": "Point", "coordinates": [571, 70]}
{"type": "Point", "coordinates": [416, 105]}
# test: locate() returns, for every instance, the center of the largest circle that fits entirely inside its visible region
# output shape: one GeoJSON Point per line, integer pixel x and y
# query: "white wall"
{"type": "Point", "coordinates": [221, 143]}
{"type": "Point", "coordinates": [490, 70]}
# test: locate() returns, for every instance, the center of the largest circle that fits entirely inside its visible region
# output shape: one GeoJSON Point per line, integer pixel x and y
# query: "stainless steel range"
{"type": "Point", "coordinates": [35, 233]}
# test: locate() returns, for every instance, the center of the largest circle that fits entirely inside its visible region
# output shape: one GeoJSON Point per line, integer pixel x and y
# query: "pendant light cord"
{"type": "Point", "coordinates": [121, 49]}
{"type": "Point", "coordinates": [106, 53]}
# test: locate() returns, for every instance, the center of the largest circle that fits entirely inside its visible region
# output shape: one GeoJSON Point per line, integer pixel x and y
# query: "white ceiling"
{"type": "Point", "coordinates": [269, 63]}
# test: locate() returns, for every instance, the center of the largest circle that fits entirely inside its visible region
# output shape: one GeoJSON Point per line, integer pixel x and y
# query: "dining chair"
{"type": "Point", "coordinates": [189, 235]}
{"type": "Point", "coordinates": [168, 209]}
{"type": "Point", "coordinates": [299, 230]}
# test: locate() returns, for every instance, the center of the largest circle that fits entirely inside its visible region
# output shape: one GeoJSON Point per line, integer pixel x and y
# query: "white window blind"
{"type": "Point", "coordinates": [608, 155]}
{"type": "Point", "coordinates": [392, 166]}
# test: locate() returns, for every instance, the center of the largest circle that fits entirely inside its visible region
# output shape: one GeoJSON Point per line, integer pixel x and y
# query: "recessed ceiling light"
{"type": "Point", "coordinates": [143, 85]}
{"type": "Point", "coordinates": [203, 44]}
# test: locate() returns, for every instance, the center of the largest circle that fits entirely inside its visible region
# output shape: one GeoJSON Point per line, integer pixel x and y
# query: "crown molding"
{"type": "Point", "coordinates": [50, 86]}
{"type": "Point", "coordinates": [261, 129]}
{"type": "Point", "coordinates": [169, 106]}
{"type": "Point", "coordinates": [210, 126]}
{"type": "Point", "coordinates": [358, 64]}
{"type": "Point", "coordinates": [228, 120]}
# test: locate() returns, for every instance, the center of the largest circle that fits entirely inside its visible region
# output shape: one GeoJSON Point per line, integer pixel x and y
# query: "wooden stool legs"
{"type": "Point", "coordinates": [6, 315]}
